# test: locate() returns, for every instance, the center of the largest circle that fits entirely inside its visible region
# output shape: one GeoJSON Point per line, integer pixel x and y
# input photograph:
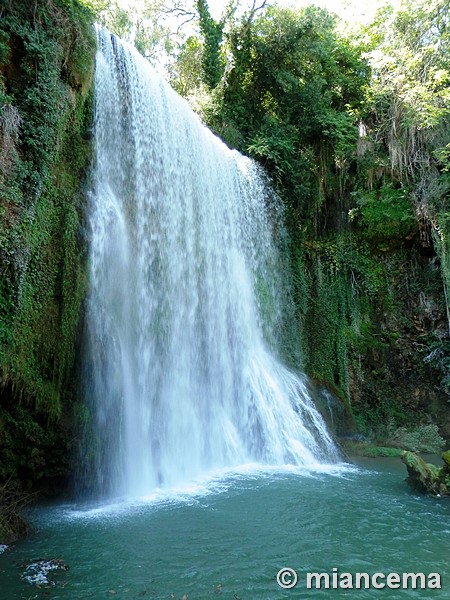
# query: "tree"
{"type": "Point", "coordinates": [144, 24]}
{"type": "Point", "coordinates": [408, 117]}
{"type": "Point", "coordinates": [410, 58]}
{"type": "Point", "coordinates": [290, 98]}
{"type": "Point", "coordinates": [186, 71]}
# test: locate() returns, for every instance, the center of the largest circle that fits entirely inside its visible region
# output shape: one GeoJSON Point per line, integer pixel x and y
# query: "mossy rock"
{"type": "Point", "coordinates": [424, 477]}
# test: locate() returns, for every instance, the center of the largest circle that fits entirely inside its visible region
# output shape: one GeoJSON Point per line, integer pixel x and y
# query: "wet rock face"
{"type": "Point", "coordinates": [47, 52]}
{"type": "Point", "coordinates": [427, 478]}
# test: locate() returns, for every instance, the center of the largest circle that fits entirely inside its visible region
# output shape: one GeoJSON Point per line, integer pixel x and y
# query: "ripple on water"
{"type": "Point", "coordinates": [236, 530]}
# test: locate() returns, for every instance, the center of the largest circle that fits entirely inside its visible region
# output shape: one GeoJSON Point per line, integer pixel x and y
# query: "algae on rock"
{"type": "Point", "coordinates": [425, 477]}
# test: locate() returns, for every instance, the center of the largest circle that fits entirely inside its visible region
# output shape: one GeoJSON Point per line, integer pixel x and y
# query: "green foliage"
{"type": "Point", "coordinates": [292, 93]}
{"type": "Point", "coordinates": [408, 98]}
{"type": "Point", "coordinates": [48, 78]}
{"type": "Point", "coordinates": [148, 25]}
{"type": "Point", "coordinates": [335, 285]}
{"type": "Point", "coordinates": [31, 451]}
{"type": "Point", "coordinates": [385, 215]}
{"type": "Point", "coordinates": [360, 312]}
{"type": "Point", "coordinates": [424, 438]}
{"type": "Point", "coordinates": [186, 72]}
{"type": "Point", "coordinates": [424, 477]}
{"type": "Point", "coordinates": [326, 323]}
{"type": "Point", "coordinates": [111, 15]}
{"type": "Point", "coordinates": [212, 61]}
{"type": "Point", "coordinates": [355, 448]}
{"type": "Point", "coordinates": [12, 501]}
{"type": "Point", "coordinates": [382, 451]}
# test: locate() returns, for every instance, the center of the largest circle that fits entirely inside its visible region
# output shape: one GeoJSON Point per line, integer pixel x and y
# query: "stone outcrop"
{"type": "Point", "coordinates": [425, 477]}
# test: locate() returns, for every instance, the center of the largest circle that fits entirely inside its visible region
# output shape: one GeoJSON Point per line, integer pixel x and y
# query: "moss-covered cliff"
{"type": "Point", "coordinates": [46, 71]}
{"type": "Point", "coordinates": [374, 328]}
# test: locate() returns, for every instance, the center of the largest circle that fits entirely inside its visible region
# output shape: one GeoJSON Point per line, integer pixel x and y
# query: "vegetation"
{"type": "Point", "coordinates": [353, 127]}
{"type": "Point", "coordinates": [12, 502]}
{"type": "Point", "coordinates": [427, 478]}
{"type": "Point", "coordinates": [424, 438]}
{"type": "Point", "coordinates": [46, 68]}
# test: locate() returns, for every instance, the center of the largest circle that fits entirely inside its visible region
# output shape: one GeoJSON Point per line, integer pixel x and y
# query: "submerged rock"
{"type": "Point", "coordinates": [425, 477]}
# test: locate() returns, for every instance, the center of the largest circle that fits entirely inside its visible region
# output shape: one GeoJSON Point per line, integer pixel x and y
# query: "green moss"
{"type": "Point", "coordinates": [340, 278]}
{"type": "Point", "coordinates": [47, 86]}
{"type": "Point", "coordinates": [369, 450]}
{"type": "Point", "coordinates": [385, 215]}
{"type": "Point", "coordinates": [362, 312]}
{"type": "Point", "coordinates": [41, 253]}
{"type": "Point", "coordinates": [382, 451]}
{"type": "Point", "coordinates": [424, 477]}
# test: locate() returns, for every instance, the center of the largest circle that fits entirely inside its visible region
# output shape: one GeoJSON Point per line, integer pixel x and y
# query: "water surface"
{"type": "Point", "coordinates": [228, 536]}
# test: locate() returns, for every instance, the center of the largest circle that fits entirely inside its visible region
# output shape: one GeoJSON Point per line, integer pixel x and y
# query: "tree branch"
{"type": "Point", "coordinates": [251, 15]}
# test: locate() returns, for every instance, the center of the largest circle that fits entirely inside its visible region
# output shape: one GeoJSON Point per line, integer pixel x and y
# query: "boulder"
{"type": "Point", "coordinates": [424, 477]}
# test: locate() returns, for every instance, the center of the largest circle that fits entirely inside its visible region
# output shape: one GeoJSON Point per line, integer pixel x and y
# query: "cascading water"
{"type": "Point", "coordinates": [182, 268]}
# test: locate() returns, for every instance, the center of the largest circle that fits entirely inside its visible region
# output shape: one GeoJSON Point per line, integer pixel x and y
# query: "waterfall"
{"type": "Point", "coordinates": [184, 294]}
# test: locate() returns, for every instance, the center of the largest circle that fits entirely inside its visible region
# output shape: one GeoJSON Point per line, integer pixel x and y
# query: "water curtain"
{"type": "Point", "coordinates": [185, 294]}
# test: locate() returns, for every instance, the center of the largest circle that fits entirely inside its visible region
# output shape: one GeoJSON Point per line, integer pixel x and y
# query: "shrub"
{"type": "Point", "coordinates": [424, 438]}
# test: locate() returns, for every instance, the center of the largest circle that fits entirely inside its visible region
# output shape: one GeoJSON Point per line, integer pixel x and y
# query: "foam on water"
{"type": "Point", "coordinates": [219, 481]}
{"type": "Point", "coordinates": [37, 571]}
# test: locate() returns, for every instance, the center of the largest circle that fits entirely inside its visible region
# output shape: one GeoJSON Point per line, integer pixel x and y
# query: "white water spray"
{"type": "Point", "coordinates": [182, 269]}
